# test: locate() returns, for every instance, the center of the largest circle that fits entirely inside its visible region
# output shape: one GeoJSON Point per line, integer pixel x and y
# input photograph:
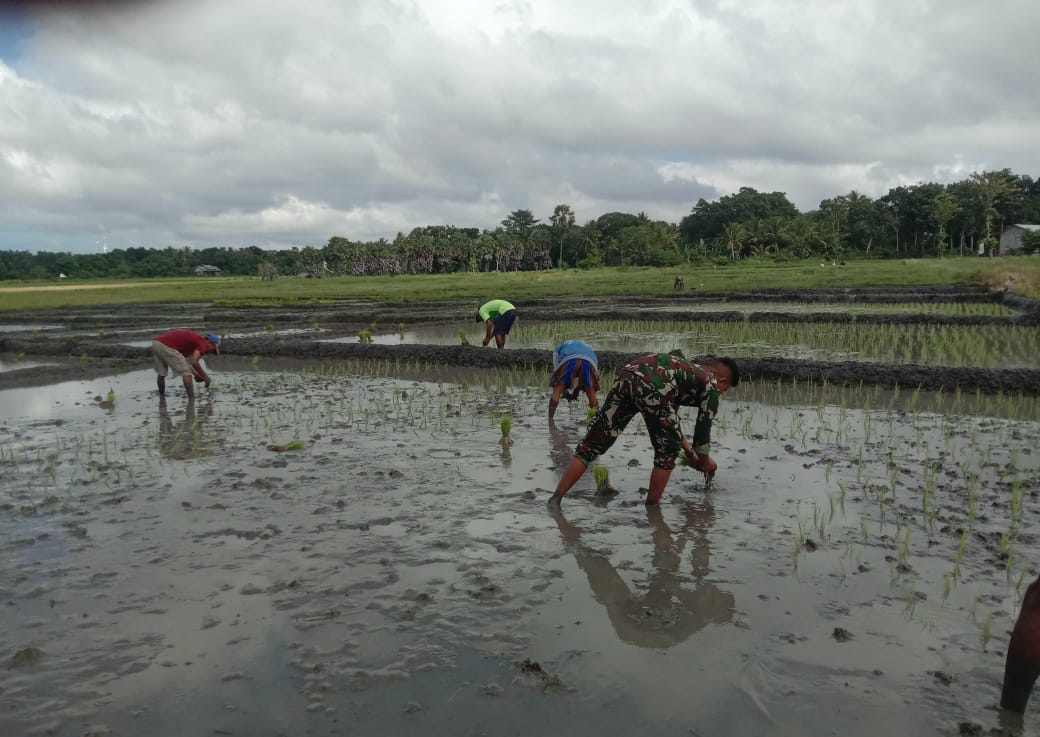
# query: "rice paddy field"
{"type": "Point", "coordinates": [345, 544]}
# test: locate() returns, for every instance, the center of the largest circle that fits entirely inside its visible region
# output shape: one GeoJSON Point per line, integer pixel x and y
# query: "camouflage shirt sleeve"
{"type": "Point", "coordinates": [702, 393]}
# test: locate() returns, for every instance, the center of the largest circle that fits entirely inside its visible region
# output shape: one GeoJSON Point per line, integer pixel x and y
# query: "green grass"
{"type": "Point", "coordinates": [518, 285]}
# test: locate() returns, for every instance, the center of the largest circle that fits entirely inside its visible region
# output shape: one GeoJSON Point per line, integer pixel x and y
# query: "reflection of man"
{"type": "Point", "coordinates": [667, 612]}
{"type": "Point", "coordinates": [561, 445]}
{"type": "Point", "coordinates": [184, 440]}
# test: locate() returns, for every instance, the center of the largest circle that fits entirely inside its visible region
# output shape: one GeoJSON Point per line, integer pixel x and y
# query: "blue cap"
{"type": "Point", "coordinates": [213, 338]}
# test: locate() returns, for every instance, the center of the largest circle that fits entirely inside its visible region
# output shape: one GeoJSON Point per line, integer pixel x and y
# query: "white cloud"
{"type": "Point", "coordinates": [247, 122]}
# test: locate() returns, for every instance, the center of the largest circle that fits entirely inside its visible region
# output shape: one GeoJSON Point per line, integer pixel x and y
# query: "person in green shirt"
{"type": "Point", "coordinates": [499, 316]}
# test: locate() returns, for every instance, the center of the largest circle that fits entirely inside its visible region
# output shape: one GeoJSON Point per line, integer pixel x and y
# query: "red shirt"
{"type": "Point", "coordinates": [184, 341]}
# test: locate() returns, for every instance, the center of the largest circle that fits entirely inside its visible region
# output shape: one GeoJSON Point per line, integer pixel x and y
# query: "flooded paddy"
{"type": "Point", "coordinates": [856, 566]}
{"type": "Point", "coordinates": [13, 363]}
{"type": "Point", "coordinates": [1009, 346]}
{"type": "Point", "coordinates": [341, 545]}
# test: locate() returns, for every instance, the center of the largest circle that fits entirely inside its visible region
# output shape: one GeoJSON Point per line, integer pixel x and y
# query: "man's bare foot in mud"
{"type": "Point", "coordinates": [554, 501]}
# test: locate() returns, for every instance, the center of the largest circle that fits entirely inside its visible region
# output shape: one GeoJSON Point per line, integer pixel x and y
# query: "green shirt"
{"type": "Point", "coordinates": [491, 310]}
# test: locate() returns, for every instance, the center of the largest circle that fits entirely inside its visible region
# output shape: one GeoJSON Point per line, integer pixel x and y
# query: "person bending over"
{"type": "Point", "coordinates": [575, 368]}
{"type": "Point", "coordinates": [180, 350]}
{"type": "Point", "coordinates": [499, 316]}
{"type": "Point", "coordinates": [656, 385]}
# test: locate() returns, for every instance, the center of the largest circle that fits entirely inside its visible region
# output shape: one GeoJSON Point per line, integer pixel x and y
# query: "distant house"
{"type": "Point", "coordinates": [207, 270]}
{"type": "Point", "coordinates": [1011, 238]}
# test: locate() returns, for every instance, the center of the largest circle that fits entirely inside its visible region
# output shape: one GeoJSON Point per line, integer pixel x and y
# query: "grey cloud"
{"type": "Point", "coordinates": [243, 122]}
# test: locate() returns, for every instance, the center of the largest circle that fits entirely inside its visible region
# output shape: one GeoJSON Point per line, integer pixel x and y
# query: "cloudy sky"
{"type": "Point", "coordinates": [255, 122]}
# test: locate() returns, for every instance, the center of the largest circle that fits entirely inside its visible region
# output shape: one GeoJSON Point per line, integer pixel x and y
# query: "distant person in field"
{"type": "Point", "coordinates": [575, 368]}
{"type": "Point", "coordinates": [655, 386]}
{"type": "Point", "coordinates": [498, 316]}
{"type": "Point", "coordinates": [679, 282]}
{"type": "Point", "coordinates": [1008, 284]}
{"type": "Point", "coordinates": [181, 350]}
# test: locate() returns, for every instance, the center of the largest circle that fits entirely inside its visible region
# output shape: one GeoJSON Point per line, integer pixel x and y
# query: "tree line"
{"type": "Point", "coordinates": [918, 221]}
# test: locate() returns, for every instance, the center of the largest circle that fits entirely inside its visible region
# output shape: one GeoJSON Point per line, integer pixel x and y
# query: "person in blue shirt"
{"type": "Point", "coordinates": [575, 369]}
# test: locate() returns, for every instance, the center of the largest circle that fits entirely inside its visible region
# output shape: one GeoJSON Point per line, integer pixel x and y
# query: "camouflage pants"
{"type": "Point", "coordinates": [629, 395]}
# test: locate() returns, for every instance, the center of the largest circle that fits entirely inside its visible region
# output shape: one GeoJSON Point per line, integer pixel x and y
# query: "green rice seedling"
{"type": "Point", "coordinates": [291, 445]}
{"type": "Point", "coordinates": [591, 414]}
{"type": "Point", "coordinates": [904, 549]}
{"type": "Point", "coordinates": [602, 477]}
{"type": "Point", "coordinates": [1005, 544]}
{"type": "Point", "coordinates": [111, 397]}
{"type": "Point", "coordinates": [506, 425]}
{"type": "Point", "coordinates": [400, 329]}
{"type": "Point", "coordinates": [1017, 494]}
{"type": "Point", "coordinates": [256, 361]}
{"type": "Point", "coordinates": [463, 338]}
{"type": "Point", "coordinates": [987, 629]}
{"type": "Point", "coordinates": [269, 327]}
{"type": "Point", "coordinates": [364, 336]}
{"type": "Point", "coordinates": [947, 585]}
{"type": "Point", "coordinates": [960, 554]}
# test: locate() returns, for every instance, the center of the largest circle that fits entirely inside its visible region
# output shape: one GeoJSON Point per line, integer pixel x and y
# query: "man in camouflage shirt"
{"type": "Point", "coordinates": [656, 385]}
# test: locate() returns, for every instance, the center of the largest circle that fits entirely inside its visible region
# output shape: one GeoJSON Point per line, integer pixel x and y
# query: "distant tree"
{"type": "Point", "coordinates": [854, 219]}
{"type": "Point", "coordinates": [944, 207]}
{"type": "Point", "coordinates": [993, 187]}
{"type": "Point", "coordinates": [707, 220]}
{"type": "Point", "coordinates": [1031, 241]}
{"type": "Point", "coordinates": [651, 243]}
{"type": "Point", "coordinates": [562, 221]}
{"type": "Point", "coordinates": [520, 223]}
{"type": "Point", "coordinates": [734, 236]}
{"type": "Point", "coordinates": [267, 270]}
{"type": "Point", "coordinates": [611, 224]}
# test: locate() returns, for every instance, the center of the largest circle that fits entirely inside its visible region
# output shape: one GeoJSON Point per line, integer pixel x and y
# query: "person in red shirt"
{"type": "Point", "coordinates": [180, 350]}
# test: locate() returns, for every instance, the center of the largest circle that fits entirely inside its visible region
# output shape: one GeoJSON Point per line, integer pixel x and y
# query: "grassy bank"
{"type": "Point", "coordinates": [518, 285]}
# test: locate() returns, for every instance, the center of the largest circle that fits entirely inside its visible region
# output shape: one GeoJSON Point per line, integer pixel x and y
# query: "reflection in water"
{"type": "Point", "coordinates": [184, 439]}
{"type": "Point", "coordinates": [670, 609]}
{"type": "Point", "coordinates": [561, 445]}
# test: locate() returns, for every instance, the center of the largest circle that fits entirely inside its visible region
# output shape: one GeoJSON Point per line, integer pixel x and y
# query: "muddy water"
{"type": "Point", "coordinates": [400, 573]}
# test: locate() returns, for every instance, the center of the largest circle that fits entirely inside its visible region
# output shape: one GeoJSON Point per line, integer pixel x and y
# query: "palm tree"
{"type": "Point", "coordinates": [562, 220]}
{"type": "Point", "coordinates": [734, 236]}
